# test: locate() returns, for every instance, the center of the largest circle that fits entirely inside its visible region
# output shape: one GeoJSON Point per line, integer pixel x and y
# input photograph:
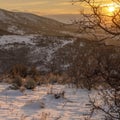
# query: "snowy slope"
{"type": "Point", "coordinates": [30, 49]}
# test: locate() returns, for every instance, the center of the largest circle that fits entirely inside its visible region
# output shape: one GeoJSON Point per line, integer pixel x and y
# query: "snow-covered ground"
{"type": "Point", "coordinates": [8, 39]}
{"type": "Point", "coordinates": [14, 29]}
{"type": "Point", "coordinates": [35, 104]}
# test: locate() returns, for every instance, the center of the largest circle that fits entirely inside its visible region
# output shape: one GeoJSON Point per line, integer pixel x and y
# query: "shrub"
{"type": "Point", "coordinates": [60, 95]}
{"type": "Point", "coordinates": [19, 69]}
{"type": "Point", "coordinates": [22, 89]}
{"type": "Point", "coordinates": [30, 83]}
{"type": "Point", "coordinates": [17, 82]}
{"type": "Point", "coordinates": [33, 72]}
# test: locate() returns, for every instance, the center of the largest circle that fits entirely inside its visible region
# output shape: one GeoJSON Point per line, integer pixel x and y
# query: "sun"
{"type": "Point", "coordinates": [111, 9]}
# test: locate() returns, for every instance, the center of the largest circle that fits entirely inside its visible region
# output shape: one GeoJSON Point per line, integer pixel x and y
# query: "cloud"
{"type": "Point", "coordinates": [32, 3]}
{"type": "Point", "coordinates": [40, 6]}
{"type": "Point", "coordinates": [65, 3]}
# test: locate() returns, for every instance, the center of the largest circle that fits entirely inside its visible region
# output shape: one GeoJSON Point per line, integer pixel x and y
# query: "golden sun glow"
{"type": "Point", "coordinates": [111, 9]}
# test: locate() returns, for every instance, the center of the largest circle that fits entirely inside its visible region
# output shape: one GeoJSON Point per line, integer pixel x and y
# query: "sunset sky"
{"type": "Point", "coordinates": [43, 7]}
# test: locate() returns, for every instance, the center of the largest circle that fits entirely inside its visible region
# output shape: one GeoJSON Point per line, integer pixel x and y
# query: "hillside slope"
{"type": "Point", "coordinates": [3, 32]}
{"type": "Point", "coordinates": [26, 23]}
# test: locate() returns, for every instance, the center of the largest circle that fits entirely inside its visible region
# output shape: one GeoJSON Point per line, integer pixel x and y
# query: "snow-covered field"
{"type": "Point", "coordinates": [36, 104]}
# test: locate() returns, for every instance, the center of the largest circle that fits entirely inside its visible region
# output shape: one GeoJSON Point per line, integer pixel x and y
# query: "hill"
{"type": "Point", "coordinates": [27, 23]}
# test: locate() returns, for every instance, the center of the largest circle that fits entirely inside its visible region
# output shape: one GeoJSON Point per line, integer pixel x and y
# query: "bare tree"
{"type": "Point", "coordinates": [109, 69]}
{"type": "Point", "coordinates": [99, 19]}
{"type": "Point", "coordinates": [108, 62]}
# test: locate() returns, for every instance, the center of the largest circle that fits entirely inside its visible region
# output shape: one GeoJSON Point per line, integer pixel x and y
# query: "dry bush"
{"type": "Point", "coordinates": [22, 84]}
{"type": "Point", "coordinates": [50, 89]}
{"type": "Point", "coordinates": [22, 89]}
{"type": "Point", "coordinates": [42, 104]}
{"type": "Point", "coordinates": [30, 83]}
{"type": "Point", "coordinates": [62, 78]}
{"type": "Point", "coordinates": [59, 95]}
{"type": "Point", "coordinates": [33, 72]}
{"type": "Point", "coordinates": [17, 82]}
{"type": "Point", "coordinates": [52, 78]}
{"type": "Point", "coordinates": [19, 70]}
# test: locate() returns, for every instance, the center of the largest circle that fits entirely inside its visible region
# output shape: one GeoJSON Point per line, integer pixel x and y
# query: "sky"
{"type": "Point", "coordinates": [43, 7]}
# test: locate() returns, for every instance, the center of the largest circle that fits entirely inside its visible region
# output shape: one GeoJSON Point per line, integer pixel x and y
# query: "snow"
{"type": "Point", "coordinates": [2, 15]}
{"type": "Point", "coordinates": [27, 39]}
{"type": "Point", "coordinates": [5, 16]}
{"type": "Point", "coordinates": [52, 51]}
{"type": "Point", "coordinates": [11, 39]}
{"type": "Point", "coordinates": [14, 29]}
{"type": "Point", "coordinates": [51, 46]}
{"type": "Point", "coordinates": [35, 104]}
